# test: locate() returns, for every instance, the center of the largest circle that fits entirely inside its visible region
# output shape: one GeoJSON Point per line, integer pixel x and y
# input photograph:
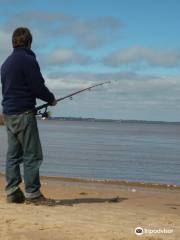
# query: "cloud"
{"type": "Point", "coordinates": [130, 95]}
{"type": "Point", "coordinates": [5, 46]}
{"type": "Point", "coordinates": [92, 33]}
{"type": "Point", "coordinates": [138, 55]}
{"type": "Point", "coordinates": [68, 56]}
{"type": "Point", "coordinates": [44, 21]}
{"type": "Point", "coordinates": [125, 83]}
{"type": "Point", "coordinates": [88, 33]}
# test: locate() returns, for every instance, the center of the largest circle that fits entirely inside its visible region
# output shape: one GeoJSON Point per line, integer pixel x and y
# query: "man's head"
{"type": "Point", "coordinates": [21, 38]}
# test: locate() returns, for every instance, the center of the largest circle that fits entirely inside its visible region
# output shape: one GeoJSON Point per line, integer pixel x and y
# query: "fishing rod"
{"type": "Point", "coordinates": [45, 106]}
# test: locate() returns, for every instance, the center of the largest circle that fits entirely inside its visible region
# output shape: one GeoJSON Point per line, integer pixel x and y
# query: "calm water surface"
{"type": "Point", "coordinates": [108, 150]}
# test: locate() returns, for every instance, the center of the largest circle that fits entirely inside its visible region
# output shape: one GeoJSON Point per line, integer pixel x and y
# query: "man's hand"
{"type": "Point", "coordinates": [54, 102]}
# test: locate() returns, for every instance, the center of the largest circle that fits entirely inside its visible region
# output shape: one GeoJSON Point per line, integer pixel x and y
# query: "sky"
{"type": "Point", "coordinates": [78, 43]}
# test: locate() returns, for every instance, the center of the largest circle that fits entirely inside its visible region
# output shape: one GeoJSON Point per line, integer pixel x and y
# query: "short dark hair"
{"type": "Point", "coordinates": [21, 37]}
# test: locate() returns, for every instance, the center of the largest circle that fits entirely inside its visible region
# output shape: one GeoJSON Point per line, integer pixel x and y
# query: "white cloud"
{"type": "Point", "coordinates": [124, 83]}
{"type": "Point", "coordinates": [68, 56]}
{"type": "Point", "coordinates": [89, 33]}
{"type": "Point", "coordinates": [138, 54]}
{"type": "Point", "coordinates": [130, 95]}
{"type": "Point", "coordinates": [92, 33]}
{"type": "Point", "coordinates": [5, 46]}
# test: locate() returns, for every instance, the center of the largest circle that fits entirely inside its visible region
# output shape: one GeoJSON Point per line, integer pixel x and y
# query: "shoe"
{"type": "Point", "coordinates": [41, 200]}
{"type": "Point", "coordinates": [16, 197]}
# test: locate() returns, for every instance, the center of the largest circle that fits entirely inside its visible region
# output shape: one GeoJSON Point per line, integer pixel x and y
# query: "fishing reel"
{"type": "Point", "coordinates": [45, 114]}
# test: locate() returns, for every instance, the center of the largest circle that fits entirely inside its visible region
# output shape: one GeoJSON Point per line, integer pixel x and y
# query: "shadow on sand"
{"type": "Point", "coordinates": [71, 202]}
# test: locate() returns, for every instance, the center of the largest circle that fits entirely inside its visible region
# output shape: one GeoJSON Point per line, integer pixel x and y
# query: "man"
{"type": "Point", "coordinates": [22, 83]}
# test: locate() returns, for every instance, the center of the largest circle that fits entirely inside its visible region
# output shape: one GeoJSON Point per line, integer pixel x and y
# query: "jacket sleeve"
{"type": "Point", "coordinates": [36, 82]}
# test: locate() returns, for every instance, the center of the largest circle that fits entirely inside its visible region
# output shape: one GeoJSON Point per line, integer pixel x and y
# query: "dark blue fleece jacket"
{"type": "Point", "coordinates": [22, 82]}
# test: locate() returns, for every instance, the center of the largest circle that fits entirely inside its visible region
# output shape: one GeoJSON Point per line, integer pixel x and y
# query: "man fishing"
{"type": "Point", "coordinates": [22, 83]}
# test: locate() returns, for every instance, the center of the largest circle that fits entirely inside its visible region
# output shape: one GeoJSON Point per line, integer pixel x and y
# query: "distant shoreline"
{"type": "Point", "coordinates": [108, 120]}
{"type": "Point", "coordinates": [100, 120]}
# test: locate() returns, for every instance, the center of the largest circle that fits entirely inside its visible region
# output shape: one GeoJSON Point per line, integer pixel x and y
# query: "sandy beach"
{"type": "Point", "coordinates": [90, 210]}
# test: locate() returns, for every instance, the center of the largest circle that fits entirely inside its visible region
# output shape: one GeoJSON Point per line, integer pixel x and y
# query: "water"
{"type": "Point", "coordinates": [108, 150]}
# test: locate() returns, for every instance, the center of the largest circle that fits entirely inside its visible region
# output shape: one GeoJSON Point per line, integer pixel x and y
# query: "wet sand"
{"type": "Point", "coordinates": [90, 210]}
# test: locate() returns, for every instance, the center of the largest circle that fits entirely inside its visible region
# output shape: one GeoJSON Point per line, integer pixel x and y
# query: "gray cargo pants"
{"type": "Point", "coordinates": [23, 147]}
